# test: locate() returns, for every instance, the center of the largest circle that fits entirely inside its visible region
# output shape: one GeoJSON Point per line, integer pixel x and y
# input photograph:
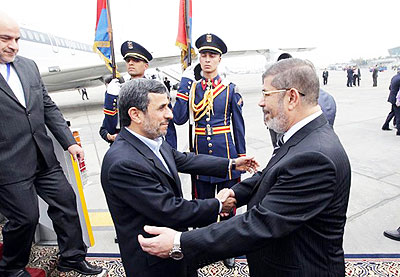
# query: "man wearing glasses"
{"type": "Point", "coordinates": [296, 206]}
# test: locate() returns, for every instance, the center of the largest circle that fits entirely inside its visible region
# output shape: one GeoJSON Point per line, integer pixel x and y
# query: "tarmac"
{"type": "Point", "coordinates": [374, 156]}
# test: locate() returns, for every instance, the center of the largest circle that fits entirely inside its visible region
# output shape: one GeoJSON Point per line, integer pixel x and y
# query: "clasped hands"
{"type": "Point", "coordinates": [227, 198]}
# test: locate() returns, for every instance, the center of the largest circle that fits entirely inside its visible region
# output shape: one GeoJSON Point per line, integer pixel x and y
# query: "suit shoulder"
{"type": "Point", "coordinates": [121, 152]}
{"type": "Point", "coordinates": [24, 60]}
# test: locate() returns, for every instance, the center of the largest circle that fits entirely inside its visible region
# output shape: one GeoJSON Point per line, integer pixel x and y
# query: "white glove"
{"type": "Point", "coordinates": [114, 87]}
{"type": "Point", "coordinates": [189, 72]}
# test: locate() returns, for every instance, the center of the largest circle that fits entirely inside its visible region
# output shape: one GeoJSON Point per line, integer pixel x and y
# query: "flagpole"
{"type": "Point", "coordinates": [189, 62]}
{"type": "Point", "coordinates": [188, 31]}
{"type": "Point", "coordinates": [110, 34]}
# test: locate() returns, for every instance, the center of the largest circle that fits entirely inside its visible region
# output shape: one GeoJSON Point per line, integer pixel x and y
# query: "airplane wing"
{"type": "Point", "coordinates": [58, 79]}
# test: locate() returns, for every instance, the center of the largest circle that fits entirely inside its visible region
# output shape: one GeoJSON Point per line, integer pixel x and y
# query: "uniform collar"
{"type": "Point", "coordinates": [215, 82]}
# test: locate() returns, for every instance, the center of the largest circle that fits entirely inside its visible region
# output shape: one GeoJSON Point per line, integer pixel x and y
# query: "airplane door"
{"type": "Point", "coordinates": [54, 44]}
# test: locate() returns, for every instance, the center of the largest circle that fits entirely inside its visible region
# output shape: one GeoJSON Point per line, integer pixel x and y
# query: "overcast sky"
{"type": "Point", "coordinates": [340, 29]}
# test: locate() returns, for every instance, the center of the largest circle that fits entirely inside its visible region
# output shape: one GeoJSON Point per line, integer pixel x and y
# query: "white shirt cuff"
{"type": "Point", "coordinates": [177, 239]}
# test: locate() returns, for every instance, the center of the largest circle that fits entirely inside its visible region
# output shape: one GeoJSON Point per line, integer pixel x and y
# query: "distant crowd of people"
{"type": "Point", "coordinates": [353, 76]}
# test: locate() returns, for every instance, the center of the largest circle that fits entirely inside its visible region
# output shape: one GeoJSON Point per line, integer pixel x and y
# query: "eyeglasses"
{"type": "Point", "coordinates": [270, 92]}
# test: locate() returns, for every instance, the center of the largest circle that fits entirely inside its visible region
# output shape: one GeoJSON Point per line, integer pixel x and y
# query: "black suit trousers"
{"type": "Point", "coordinates": [19, 204]}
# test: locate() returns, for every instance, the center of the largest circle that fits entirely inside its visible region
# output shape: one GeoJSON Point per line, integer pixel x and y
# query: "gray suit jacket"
{"type": "Point", "coordinates": [296, 211]}
{"type": "Point", "coordinates": [22, 130]}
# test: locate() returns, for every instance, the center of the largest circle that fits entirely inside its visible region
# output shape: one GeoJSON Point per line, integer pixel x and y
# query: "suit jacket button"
{"type": "Point", "coordinates": [208, 138]}
{"type": "Point", "coordinates": [210, 152]}
{"type": "Point", "coordinates": [210, 145]}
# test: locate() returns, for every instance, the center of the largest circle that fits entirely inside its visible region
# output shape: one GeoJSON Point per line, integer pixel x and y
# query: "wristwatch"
{"type": "Point", "coordinates": [233, 164]}
{"type": "Point", "coordinates": [176, 252]}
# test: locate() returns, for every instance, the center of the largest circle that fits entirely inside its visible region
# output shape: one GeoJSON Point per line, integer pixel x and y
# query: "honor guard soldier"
{"type": "Point", "coordinates": [137, 60]}
{"type": "Point", "coordinates": [216, 110]}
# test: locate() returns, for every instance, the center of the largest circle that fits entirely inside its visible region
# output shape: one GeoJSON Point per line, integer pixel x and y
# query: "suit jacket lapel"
{"type": "Point", "coordinates": [169, 159]}
{"type": "Point", "coordinates": [6, 88]}
{"type": "Point", "coordinates": [146, 151]}
{"type": "Point", "coordinates": [293, 140]}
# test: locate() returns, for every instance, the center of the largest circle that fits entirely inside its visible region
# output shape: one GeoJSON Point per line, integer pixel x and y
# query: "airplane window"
{"type": "Point", "coordinates": [30, 34]}
{"type": "Point", "coordinates": [63, 42]}
{"type": "Point", "coordinates": [42, 38]}
{"type": "Point", "coordinates": [57, 41]}
{"type": "Point", "coordinates": [36, 36]}
{"type": "Point", "coordinates": [23, 34]}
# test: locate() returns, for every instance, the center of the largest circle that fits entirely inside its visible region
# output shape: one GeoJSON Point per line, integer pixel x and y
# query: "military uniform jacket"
{"type": "Point", "coordinates": [217, 111]}
{"type": "Point", "coordinates": [110, 120]}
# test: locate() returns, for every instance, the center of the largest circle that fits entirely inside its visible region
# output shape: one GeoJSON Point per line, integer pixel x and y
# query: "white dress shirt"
{"type": "Point", "coordinates": [153, 144]}
{"type": "Point", "coordinates": [14, 82]}
{"type": "Point", "coordinates": [289, 133]}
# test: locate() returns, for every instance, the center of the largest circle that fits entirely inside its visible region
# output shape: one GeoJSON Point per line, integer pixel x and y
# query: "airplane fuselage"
{"type": "Point", "coordinates": [63, 63]}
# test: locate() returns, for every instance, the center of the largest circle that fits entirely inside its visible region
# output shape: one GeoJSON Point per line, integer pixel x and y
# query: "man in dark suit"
{"type": "Point", "coordinates": [395, 111]}
{"type": "Point", "coordinates": [349, 76]}
{"type": "Point", "coordinates": [325, 75]}
{"type": "Point", "coordinates": [29, 166]}
{"type": "Point", "coordinates": [141, 183]}
{"type": "Point", "coordinates": [375, 76]}
{"type": "Point", "coordinates": [297, 205]}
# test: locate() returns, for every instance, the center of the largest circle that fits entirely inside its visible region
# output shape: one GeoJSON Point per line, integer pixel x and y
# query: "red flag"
{"type": "Point", "coordinates": [184, 37]}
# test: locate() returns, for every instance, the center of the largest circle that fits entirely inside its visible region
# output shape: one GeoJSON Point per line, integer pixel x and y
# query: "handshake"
{"type": "Point", "coordinates": [227, 198]}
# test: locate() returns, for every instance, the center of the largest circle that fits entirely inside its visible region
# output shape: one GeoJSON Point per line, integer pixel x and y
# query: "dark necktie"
{"type": "Point", "coordinates": [279, 144]}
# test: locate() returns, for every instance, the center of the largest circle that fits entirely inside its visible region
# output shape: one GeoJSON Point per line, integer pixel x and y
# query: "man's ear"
{"type": "Point", "coordinates": [146, 66]}
{"type": "Point", "coordinates": [293, 99]}
{"type": "Point", "coordinates": [135, 114]}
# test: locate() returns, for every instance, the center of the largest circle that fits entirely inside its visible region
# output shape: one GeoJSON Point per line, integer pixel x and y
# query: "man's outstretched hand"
{"type": "Point", "coordinates": [160, 245]}
{"type": "Point", "coordinates": [246, 164]}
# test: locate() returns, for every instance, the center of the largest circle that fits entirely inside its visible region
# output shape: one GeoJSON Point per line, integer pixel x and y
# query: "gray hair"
{"type": "Point", "coordinates": [295, 73]}
{"type": "Point", "coordinates": [135, 93]}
